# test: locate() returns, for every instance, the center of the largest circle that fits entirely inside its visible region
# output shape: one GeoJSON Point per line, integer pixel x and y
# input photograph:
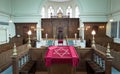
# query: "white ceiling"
{"type": "Point", "coordinates": [59, 0]}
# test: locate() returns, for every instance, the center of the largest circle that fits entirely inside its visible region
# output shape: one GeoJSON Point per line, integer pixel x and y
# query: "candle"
{"type": "Point", "coordinates": [54, 36]}
{"type": "Point", "coordinates": [46, 35]}
{"type": "Point", "coordinates": [66, 36]}
{"type": "Point", "coordinates": [75, 35]}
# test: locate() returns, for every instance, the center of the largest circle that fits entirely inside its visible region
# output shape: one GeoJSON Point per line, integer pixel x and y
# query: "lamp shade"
{"type": "Point", "coordinates": [29, 32]}
{"type": "Point", "coordinates": [93, 32]}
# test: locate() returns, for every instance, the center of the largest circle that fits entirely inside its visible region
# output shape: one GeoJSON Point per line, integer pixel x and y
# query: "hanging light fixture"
{"type": "Point", "coordinates": [10, 19]}
{"type": "Point", "coordinates": [111, 19]}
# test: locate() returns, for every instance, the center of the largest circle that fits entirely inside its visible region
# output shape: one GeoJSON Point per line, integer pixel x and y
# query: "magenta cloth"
{"type": "Point", "coordinates": [60, 41]}
{"type": "Point", "coordinates": [60, 55]}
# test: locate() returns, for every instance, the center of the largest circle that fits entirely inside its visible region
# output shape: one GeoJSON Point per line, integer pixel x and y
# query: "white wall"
{"type": "Point", "coordinates": [9, 28]}
{"type": "Point", "coordinates": [5, 10]}
{"type": "Point", "coordinates": [90, 10]}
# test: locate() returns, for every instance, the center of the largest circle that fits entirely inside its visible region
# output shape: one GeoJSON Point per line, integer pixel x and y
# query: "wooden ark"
{"type": "Point", "coordinates": [60, 27]}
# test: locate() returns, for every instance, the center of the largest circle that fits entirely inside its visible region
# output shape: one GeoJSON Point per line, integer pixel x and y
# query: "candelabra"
{"type": "Point", "coordinates": [29, 41]}
{"type": "Point", "coordinates": [93, 40]}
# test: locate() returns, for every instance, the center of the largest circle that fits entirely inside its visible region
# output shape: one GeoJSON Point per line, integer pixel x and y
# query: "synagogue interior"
{"type": "Point", "coordinates": [59, 36]}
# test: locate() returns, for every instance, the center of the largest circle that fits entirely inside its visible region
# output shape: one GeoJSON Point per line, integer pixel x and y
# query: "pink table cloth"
{"type": "Point", "coordinates": [60, 41]}
{"type": "Point", "coordinates": [60, 55]}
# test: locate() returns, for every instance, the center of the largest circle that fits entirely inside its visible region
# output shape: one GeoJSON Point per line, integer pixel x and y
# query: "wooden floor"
{"type": "Point", "coordinates": [47, 73]}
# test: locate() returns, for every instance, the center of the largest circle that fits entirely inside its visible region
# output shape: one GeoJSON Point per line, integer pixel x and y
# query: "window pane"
{"type": "Point", "coordinates": [114, 29]}
{"type": "Point", "coordinates": [77, 13]}
{"type": "Point", "coordinates": [43, 12]}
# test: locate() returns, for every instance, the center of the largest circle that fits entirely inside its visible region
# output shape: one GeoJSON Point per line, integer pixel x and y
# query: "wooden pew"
{"type": "Point", "coordinates": [93, 68]}
{"type": "Point", "coordinates": [28, 68]}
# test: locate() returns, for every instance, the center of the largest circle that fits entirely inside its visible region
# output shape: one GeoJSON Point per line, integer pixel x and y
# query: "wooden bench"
{"type": "Point", "coordinates": [28, 68]}
{"type": "Point", "coordinates": [93, 68]}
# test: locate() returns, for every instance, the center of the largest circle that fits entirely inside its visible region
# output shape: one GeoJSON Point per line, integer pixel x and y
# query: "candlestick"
{"type": "Point", "coordinates": [29, 40]}
{"type": "Point", "coordinates": [75, 38]}
{"type": "Point", "coordinates": [46, 35]}
{"type": "Point", "coordinates": [66, 37]}
{"type": "Point", "coordinates": [46, 38]}
{"type": "Point", "coordinates": [93, 41]}
{"type": "Point", "coordinates": [54, 36]}
{"type": "Point", "coordinates": [75, 35]}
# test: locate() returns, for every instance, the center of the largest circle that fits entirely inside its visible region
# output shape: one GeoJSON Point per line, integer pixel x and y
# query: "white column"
{"type": "Point", "coordinates": [117, 29]}
{"type": "Point", "coordinates": [40, 30]}
{"type": "Point", "coordinates": [82, 29]}
{"type": "Point", "coordinates": [79, 28]}
{"type": "Point", "coordinates": [39, 33]}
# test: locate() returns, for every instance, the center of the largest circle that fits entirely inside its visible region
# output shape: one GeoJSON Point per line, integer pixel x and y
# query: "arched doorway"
{"type": "Point", "coordinates": [60, 33]}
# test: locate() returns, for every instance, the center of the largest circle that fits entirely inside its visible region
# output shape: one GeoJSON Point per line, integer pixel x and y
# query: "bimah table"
{"type": "Point", "coordinates": [61, 60]}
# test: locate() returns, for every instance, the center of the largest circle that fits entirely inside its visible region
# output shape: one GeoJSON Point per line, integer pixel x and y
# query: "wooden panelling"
{"type": "Point", "coordinates": [100, 29]}
{"type": "Point", "coordinates": [84, 55]}
{"type": "Point", "coordinates": [23, 28]}
{"type": "Point", "coordinates": [60, 27]}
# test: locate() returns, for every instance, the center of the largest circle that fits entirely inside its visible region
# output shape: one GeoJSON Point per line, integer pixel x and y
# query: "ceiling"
{"type": "Point", "coordinates": [59, 0]}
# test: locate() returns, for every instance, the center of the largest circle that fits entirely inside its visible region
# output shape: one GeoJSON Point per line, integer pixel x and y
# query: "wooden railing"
{"type": "Point", "coordinates": [103, 60]}
{"type": "Point", "coordinates": [21, 58]}
{"type": "Point", "coordinates": [100, 58]}
{"type": "Point", "coordinates": [7, 46]}
{"type": "Point", "coordinates": [37, 54]}
{"type": "Point", "coordinates": [115, 54]}
{"type": "Point", "coordinates": [5, 57]}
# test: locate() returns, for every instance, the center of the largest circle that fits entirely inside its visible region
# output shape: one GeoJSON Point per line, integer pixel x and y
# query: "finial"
{"type": "Point", "coordinates": [14, 50]}
{"type": "Point", "coordinates": [108, 50]}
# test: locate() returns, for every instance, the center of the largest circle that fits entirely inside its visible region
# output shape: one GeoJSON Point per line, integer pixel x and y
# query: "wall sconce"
{"type": "Point", "coordinates": [101, 27]}
{"type": "Point", "coordinates": [87, 27]}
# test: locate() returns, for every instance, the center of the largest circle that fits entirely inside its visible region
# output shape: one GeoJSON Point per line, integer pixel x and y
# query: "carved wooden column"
{"type": "Point", "coordinates": [15, 64]}
{"type": "Point", "coordinates": [15, 61]}
{"type": "Point", "coordinates": [108, 65]}
{"type": "Point", "coordinates": [108, 61]}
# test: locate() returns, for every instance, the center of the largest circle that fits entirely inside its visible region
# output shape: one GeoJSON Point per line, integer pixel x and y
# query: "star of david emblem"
{"type": "Point", "coordinates": [61, 51]}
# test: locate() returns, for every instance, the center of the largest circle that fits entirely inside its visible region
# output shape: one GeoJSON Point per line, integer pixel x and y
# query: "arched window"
{"type": "Point", "coordinates": [69, 11]}
{"type": "Point", "coordinates": [77, 12]}
{"type": "Point", "coordinates": [43, 12]}
{"type": "Point", "coordinates": [59, 10]}
{"type": "Point", "coordinates": [50, 12]}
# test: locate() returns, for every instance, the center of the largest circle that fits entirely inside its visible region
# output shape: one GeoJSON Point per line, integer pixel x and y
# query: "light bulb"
{"type": "Point", "coordinates": [29, 32]}
{"type": "Point", "coordinates": [93, 32]}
